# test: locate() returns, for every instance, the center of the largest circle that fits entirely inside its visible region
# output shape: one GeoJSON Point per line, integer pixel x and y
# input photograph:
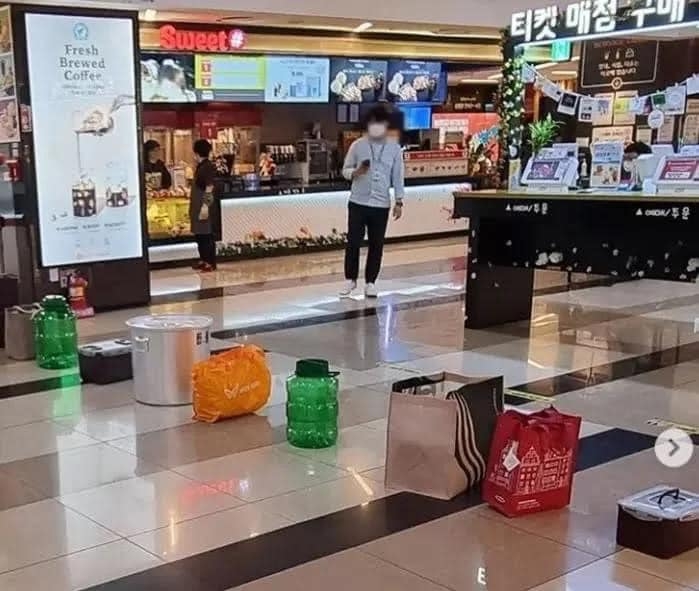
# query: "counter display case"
{"type": "Point", "coordinates": [167, 213]}
{"type": "Point", "coordinates": [622, 235]}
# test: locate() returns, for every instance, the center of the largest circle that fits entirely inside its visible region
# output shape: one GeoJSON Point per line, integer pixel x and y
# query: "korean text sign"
{"type": "Point", "coordinates": [586, 18]}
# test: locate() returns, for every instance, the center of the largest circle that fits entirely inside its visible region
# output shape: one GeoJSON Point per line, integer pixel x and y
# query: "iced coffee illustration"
{"type": "Point", "coordinates": [84, 198]}
{"type": "Point", "coordinates": [117, 192]}
{"type": "Point", "coordinates": [89, 194]}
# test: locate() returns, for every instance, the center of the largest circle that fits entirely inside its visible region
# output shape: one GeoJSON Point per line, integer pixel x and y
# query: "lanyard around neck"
{"type": "Point", "coordinates": [373, 155]}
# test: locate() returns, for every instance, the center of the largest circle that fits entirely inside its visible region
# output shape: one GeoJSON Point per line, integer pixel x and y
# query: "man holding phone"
{"type": "Point", "coordinates": [374, 164]}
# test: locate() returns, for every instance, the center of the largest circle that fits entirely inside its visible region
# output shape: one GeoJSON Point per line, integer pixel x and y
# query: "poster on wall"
{"type": "Point", "coordinates": [86, 140]}
{"type": "Point", "coordinates": [623, 114]}
{"type": "Point", "coordinates": [690, 133]}
{"type": "Point", "coordinates": [666, 132]}
{"type": "Point", "coordinates": [9, 117]}
{"type": "Point", "coordinates": [604, 109]}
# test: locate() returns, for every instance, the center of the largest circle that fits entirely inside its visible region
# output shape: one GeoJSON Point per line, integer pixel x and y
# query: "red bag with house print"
{"type": "Point", "coordinates": [532, 462]}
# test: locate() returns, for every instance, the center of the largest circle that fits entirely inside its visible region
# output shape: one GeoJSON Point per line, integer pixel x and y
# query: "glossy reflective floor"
{"type": "Point", "coordinates": [99, 492]}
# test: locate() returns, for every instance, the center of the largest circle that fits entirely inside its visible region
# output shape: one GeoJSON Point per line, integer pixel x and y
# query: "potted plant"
{"type": "Point", "coordinates": [542, 133]}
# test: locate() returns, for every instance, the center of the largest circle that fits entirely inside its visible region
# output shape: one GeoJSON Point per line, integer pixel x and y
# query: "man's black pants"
{"type": "Point", "coordinates": [363, 219]}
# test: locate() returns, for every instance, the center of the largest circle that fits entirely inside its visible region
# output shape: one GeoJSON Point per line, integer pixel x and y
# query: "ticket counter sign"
{"type": "Point", "coordinates": [585, 19]}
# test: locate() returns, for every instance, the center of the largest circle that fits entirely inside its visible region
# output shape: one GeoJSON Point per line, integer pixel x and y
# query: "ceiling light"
{"type": "Point", "coordinates": [365, 26]}
{"type": "Point", "coordinates": [546, 65]}
{"type": "Point", "coordinates": [564, 72]}
{"type": "Point", "coordinates": [495, 77]}
{"type": "Point", "coordinates": [575, 58]}
{"type": "Point", "coordinates": [477, 81]}
{"type": "Point", "coordinates": [149, 14]}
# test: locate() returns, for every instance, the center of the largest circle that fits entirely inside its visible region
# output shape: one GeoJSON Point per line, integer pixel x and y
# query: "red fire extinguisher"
{"type": "Point", "coordinates": [77, 296]}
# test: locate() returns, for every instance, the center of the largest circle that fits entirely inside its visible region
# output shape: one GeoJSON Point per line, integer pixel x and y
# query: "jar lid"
{"type": "Point", "coordinates": [54, 301]}
{"type": "Point", "coordinates": [170, 322]}
{"type": "Point", "coordinates": [314, 368]}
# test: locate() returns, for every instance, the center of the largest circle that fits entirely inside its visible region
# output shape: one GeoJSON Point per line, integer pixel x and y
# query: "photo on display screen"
{"type": "Point", "coordinates": [290, 79]}
{"type": "Point", "coordinates": [412, 81]}
{"type": "Point", "coordinates": [167, 78]}
{"type": "Point", "coordinates": [358, 80]}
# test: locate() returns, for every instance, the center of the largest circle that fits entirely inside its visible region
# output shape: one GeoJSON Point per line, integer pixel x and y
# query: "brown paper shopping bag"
{"type": "Point", "coordinates": [439, 432]}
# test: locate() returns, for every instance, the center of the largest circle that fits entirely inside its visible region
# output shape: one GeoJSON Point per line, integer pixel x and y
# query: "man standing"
{"type": "Point", "coordinates": [374, 163]}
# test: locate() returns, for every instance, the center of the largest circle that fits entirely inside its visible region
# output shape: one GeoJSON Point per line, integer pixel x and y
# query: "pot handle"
{"type": "Point", "coordinates": [141, 344]}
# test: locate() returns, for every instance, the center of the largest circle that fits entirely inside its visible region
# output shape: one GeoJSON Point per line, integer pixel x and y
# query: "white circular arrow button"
{"type": "Point", "coordinates": [674, 448]}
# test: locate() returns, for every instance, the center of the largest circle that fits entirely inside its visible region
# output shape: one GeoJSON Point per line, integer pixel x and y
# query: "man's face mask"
{"type": "Point", "coordinates": [377, 130]}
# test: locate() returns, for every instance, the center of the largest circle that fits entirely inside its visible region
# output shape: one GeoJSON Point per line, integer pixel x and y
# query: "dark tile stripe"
{"type": "Point", "coordinates": [233, 333]}
{"type": "Point", "coordinates": [403, 271]}
{"type": "Point", "coordinates": [249, 560]}
{"type": "Point", "coordinates": [54, 383]}
{"type": "Point", "coordinates": [606, 372]}
{"type": "Point", "coordinates": [22, 388]}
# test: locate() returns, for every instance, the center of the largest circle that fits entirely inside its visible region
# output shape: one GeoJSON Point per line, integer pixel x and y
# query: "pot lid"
{"type": "Point", "coordinates": [170, 322]}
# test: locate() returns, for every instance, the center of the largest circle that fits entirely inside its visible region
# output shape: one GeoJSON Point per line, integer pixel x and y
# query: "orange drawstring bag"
{"type": "Point", "coordinates": [231, 384]}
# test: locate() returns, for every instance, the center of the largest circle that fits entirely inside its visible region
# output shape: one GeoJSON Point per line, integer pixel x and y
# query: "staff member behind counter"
{"type": "Point", "coordinates": [157, 175]}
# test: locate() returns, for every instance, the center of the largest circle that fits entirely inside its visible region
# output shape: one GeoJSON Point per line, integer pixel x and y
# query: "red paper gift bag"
{"type": "Point", "coordinates": [532, 462]}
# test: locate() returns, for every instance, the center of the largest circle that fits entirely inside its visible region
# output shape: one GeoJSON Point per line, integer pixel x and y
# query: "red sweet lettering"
{"type": "Point", "coordinates": [184, 40]}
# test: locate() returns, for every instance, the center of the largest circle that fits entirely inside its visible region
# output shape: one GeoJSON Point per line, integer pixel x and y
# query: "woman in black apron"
{"type": "Point", "coordinates": [201, 206]}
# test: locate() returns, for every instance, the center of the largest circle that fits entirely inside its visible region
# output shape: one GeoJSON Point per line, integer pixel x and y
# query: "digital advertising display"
{"type": "Point", "coordinates": [86, 142]}
{"type": "Point", "coordinates": [356, 80]}
{"type": "Point", "coordinates": [229, 77]}
{"type": "Point", "coordinates": [296, 79]}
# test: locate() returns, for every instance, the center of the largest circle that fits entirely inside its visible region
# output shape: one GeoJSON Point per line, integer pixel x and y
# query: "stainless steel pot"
{"type": "Point", "coordinates": [165, 348]}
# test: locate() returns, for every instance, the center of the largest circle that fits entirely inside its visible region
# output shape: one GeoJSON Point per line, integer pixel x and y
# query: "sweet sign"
{"type": "Point", "coordinates": [175, 39]}
{"type": "Point", "coordinates": [586, 18]}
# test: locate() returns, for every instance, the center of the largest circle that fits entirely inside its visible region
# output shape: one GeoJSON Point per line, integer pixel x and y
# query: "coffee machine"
{"type": "Point", "coordinates": [313, 160]}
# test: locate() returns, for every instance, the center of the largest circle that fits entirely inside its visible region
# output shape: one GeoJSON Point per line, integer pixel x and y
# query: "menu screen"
{"type": "Point", "coordinates": [296, 79]}
{"type": "Point", "coordinates": [167, 78]}
{"type": "Point", "coordinates": [229, 77]}
{"type": "Point", "coordinates": [358, 80]}
{"type": "Point", "coordinates": [86, 140]}
{"type": "Point", "coordinates": [412, 81]}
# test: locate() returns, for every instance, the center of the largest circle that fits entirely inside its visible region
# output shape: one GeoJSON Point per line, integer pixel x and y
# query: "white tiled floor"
{"type": "Point", "coordinates": [127, 487]}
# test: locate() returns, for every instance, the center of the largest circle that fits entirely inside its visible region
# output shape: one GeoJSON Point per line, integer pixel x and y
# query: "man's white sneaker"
{"type": "Point", "coordinates": [347, 290]}
{"type": "Point", "coordinates": [370, 291]}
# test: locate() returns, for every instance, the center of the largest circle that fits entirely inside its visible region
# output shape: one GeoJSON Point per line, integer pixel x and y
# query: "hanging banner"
{"type": "Point", "coordinates": [86, 140]}
{"type": "Point", "coordinates": [616, 63]}
{"type": "Point", "coordinates": [568, 103]}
